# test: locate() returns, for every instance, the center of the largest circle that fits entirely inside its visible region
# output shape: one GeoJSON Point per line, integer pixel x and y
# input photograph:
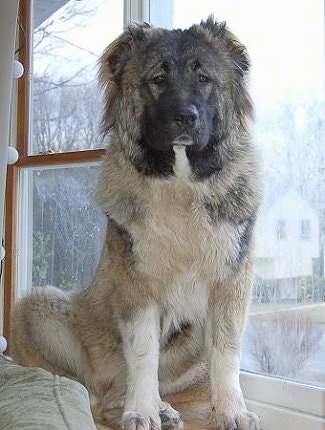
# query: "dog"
{"type": "Point", "coordinates": [156, 336]}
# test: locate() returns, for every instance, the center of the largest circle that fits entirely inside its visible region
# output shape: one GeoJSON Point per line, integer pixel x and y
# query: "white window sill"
{"type": "Point", "coordinates": [284, 405]}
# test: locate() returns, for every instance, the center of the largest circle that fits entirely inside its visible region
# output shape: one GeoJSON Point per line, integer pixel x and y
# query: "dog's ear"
{"type": "Point", "coordinates": [118, 52]}
{"type": "Point", "coordinates": [238, 54]}
{"type": "Point", "coordinates": [235, 49]}
{"type": "Point", "coordinates": [117, 55]}
{"type": "Point", "coordinates": [111, 66]}
{"type": "Point", "coordinates": [223, 39]}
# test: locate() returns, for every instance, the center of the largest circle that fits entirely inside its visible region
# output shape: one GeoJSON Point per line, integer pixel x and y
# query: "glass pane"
{"type": "Point", "coordinates": [66, 234]}
{"type": "Point", "coordinates": [285, 334]}
{"type": "Point", "coordinates": [66, 97]}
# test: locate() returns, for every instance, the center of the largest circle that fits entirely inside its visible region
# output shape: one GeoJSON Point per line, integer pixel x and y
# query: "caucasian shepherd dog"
{"type": "Point", "coordinates": [158, 330]}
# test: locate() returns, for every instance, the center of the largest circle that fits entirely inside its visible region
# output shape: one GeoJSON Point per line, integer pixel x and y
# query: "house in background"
{"type": "Point", "coordinates": [287, 242]}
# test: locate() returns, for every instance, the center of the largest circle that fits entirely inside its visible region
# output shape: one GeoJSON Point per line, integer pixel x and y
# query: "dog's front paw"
{"type": "Point", "coordinates": [170, 418]}
{"type": "Point", "coordinates": [239, 420]}
{"type": "Point", "coordinates": [133, 420]}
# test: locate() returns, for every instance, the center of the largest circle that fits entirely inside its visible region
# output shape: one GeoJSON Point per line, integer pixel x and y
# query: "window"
{"type": "Point", "coordinates": [64, 122]}
{"type": "Point", "coordinates": [60, 152]}
{"type": "Point", "coordinates": [64, 239]}
{"type": "Point", "coordinates": [66, 49]}
{"type": "Point", "coordinates": [281, 230]}
{"type": "Point", "coordinates": [305, 229]}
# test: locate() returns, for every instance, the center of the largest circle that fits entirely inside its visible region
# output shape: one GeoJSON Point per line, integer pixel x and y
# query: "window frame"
{"type": "Point", "coordinates": [25, 31]}
{"type": "Point", "coordinates": [281, 403]}
{"type": "Point", "coordinates": [284, 404]}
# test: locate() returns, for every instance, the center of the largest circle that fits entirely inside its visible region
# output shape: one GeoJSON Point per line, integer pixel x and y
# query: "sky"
{"type": "Point", "coordinates": [285, 39]}
{"type": "Point", "coordinates": [76, 43]}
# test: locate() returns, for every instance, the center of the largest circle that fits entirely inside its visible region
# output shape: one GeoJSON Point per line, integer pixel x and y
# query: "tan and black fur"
{"type": "Point", "coordinates": [159, 328]}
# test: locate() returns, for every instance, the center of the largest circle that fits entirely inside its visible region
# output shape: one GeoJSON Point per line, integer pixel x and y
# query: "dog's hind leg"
{"type": "Point", "coordinates": [42, 334]}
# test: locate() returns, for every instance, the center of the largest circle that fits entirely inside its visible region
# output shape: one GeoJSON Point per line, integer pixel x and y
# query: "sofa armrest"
{"type": "Point", "coordinates": [34, 399]}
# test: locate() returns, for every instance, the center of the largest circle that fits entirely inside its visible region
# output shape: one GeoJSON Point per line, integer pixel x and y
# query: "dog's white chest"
{"type": "Point", "coordinates": [186, 300]}
{"type": "Point", "coordinates": [176, 244]}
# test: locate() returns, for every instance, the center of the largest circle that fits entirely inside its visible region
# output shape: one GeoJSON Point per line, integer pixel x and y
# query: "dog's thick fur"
{"type": "Point", "coordinates": [180, 185]}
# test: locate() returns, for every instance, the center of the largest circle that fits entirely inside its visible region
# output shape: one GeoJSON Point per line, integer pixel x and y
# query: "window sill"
{"type": "Point", "coordinates": [282, 404]}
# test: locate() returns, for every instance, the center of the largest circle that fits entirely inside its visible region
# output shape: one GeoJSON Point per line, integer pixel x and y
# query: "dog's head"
{"type": "Point", "coordinates": [176, 87]}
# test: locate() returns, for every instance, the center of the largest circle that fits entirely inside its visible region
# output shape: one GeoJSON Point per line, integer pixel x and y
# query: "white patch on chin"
{"type": "Point", "coordinates": [183, 140]}
{"type": "Point", "coordinates": [182, 167]}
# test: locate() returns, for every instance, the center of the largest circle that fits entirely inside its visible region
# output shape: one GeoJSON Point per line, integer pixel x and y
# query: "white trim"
{"type": "Point", "coordinates": [136, 11]}
{"type": "Point", "coordinates": [25, 232]}
{"type": "Point", "coordinates": [282, 404]}
{"type": "Point", "coordinates": [155, 12]}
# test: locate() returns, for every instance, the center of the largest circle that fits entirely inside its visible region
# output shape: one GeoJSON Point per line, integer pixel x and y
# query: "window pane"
{"type": "Point", "coordinates": [66, 97]}
{"type": "Point", "coordinates": [285, 334]}
{"type": "Point", "coordinates": [66, 233]}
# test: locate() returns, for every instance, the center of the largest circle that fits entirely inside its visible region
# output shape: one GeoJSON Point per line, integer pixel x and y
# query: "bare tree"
{"type": "Point", "coordinates": [281, 343]}
{"type": "Point", "coordinates": [67, 227]}
{"type": "Point", "coordinates": [65, 118]}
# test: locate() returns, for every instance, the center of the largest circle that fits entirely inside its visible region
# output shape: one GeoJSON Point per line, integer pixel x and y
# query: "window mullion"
{"type": "Point", "coordinates": [151, 11]}
{"type": "Point", "coordinates": [136, 11]}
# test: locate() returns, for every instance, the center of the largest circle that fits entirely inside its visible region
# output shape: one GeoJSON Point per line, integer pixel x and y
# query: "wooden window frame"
{"type": "Point", "coordinates": [25, 160]}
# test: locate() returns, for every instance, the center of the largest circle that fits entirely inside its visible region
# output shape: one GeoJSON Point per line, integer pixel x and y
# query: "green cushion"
{"type": "Point", "coordinates": [34, 399]}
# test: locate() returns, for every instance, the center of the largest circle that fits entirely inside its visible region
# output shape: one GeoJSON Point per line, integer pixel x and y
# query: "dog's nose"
{"type": "Point", "coordinates": [186, 115]}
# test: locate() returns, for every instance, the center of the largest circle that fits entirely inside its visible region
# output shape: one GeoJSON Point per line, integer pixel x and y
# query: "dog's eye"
{"type": "Point", "coordinates": [159, 79]}
{"type": "Point", "coordinates": [203, 79]}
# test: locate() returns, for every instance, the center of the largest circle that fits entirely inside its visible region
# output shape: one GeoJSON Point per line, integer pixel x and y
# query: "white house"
{"type": "Point", "coordinates": [287, 238]}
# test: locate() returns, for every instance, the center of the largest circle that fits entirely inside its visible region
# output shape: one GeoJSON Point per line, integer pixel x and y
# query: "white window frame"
{"type": "Point", "coordinates": [281, 404]}
{"type": "Point", "coordinates": [150, 11]}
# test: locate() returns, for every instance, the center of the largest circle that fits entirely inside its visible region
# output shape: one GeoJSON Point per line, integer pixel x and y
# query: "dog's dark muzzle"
{"type": "Point", "coordinates": [186, 117]}
{"type": "Point", "coordinates": [168, 122]}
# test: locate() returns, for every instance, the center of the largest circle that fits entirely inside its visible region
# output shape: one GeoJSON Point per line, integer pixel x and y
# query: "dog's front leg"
{"type": "Point", "coordinates": [143, 405]}
{"type": "Point", "coordinates": [227, 308]}
{"type": "Point", "coordinates": [140, 335]}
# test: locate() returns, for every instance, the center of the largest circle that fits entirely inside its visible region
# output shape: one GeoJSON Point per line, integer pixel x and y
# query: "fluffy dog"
{"type": "Point", "coordinates": [180, 185]}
